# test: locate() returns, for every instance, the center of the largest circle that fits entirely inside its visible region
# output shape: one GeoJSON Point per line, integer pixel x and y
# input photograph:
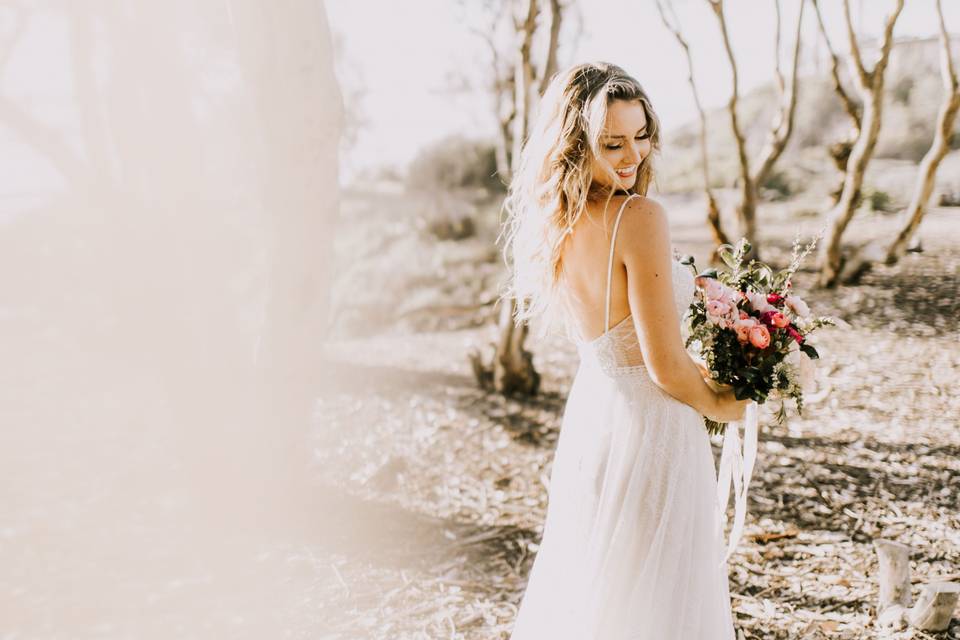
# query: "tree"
{"type": "Point", "coordinates": [713, 211]}
{"type": "Point", "coordinates": [859, 264]}
{"type": "Point", "coordinates": [514, 79]}
{"type": "Point", "coordinates": [780, 132]}
{"type": "Point", "coordinates": [840, 150]}
{"type": "Point", "coordinates": [946, 118]}
{"type": "Point", "coordinates": [869, 85]}
{"type": "Point", "coordinates": [519, 81]}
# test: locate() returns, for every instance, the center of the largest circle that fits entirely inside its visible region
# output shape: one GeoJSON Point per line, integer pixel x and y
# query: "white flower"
{"type": "Point", "coordinates": [797, 305]}
{"type": "Point", "coordinates": [803, 368]}
{"type": "Point", "coordinates": [759, 302]}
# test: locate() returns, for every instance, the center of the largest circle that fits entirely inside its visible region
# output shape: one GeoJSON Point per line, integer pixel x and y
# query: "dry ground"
{"type": "Point", "coordinates": [437, 489]}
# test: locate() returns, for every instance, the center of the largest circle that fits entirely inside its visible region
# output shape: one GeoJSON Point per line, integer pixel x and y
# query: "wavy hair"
{"type": "Point", "coordinates": [553, 180]}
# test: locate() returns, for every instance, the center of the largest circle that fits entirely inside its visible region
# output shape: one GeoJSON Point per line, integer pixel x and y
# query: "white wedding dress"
{"type": "Point", "coordinates": [632, 545]}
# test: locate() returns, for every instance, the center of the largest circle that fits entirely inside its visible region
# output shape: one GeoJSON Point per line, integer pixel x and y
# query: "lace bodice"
{"type": "Point", "coordinates": [618, 350]}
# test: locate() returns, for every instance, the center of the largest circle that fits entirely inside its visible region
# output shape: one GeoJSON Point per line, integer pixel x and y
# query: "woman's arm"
{"type": "Point", "coordinates": [645, 251]}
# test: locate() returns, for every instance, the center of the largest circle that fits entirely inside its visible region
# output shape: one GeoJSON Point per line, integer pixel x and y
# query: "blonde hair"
{"type": "Point", "coordinates": [553, 180]}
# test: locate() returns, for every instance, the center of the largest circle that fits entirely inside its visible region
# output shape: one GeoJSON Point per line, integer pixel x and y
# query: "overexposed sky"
{"type": "Point", "coordinates": [401, 56]}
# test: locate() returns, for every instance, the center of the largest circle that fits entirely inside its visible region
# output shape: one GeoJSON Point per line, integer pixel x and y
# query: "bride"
{"type": "Point", "coordinates": [632, 544]}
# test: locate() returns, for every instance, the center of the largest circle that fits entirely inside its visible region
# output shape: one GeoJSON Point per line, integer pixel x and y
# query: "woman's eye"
{"type": "Point", "coordinates": [643, 137]}
{"type": "Point", "coordinates": [612, 147]}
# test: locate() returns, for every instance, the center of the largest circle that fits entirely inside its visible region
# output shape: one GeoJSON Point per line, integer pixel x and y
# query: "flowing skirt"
{"type": "Point", "coordinates": [632, 543]}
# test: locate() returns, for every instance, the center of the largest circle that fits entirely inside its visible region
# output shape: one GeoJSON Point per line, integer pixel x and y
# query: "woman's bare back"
{"type": "Point", "coordinates": [585, 255]}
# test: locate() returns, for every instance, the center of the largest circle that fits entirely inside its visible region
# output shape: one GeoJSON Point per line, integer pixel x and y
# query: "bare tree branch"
{"type": "Point", "coordinates": [748, 201]}
{"type": "Point", "coordinates": [713, 211]}
{"type": "Point", "coordinates": [550, 67]}
{"type": "Point", "coordinates": [524, 78]}
{"type": "Point", "coordinates": [872, 94]}
{"type": "Point", "coordinates": [856, 61]}
{"type": "Point", "coordinates": [783, 128]}
{"type": "Point", "coordinates": [853, 110]}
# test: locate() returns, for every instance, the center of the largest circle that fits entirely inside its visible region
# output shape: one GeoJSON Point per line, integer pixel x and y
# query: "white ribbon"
{"type": "Point", "coordinates": [738, 466]}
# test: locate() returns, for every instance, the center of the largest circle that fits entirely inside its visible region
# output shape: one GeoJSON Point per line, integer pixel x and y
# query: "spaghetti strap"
{"type": "Point", "coordinates": [613, 240]}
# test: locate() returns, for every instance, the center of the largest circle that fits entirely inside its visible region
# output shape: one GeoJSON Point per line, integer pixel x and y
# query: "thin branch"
{"type": "Point", "coordinates": [717, 6]}
{"type": "Point", "coordinates": [947, 70]}
{"type": "Point", "coordinates": [783, 129]}
{"type": "Point", "coordinates": [713, 214]}
{"type": "Point", "coordinates": [853, 110]}
{"type": "Point", "coordinates": [776, 50]}
{"type": "Point", "coordinates": [856, 61]}
{"type": "Point", "coordinates": [880, 67]}
{"type": "Point", "coordinates": [550, 67]}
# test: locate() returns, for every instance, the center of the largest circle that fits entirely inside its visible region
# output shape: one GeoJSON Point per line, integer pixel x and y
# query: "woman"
{"type": "Point", "coordinates": [632, 543]}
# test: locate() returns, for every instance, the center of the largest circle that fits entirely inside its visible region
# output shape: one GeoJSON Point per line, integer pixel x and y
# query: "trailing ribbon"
{"type": "Point", "coordinates": [738, 466]}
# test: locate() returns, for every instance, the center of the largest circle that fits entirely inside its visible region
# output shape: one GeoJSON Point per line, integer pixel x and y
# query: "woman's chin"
{"type": "Point", "coordinates": [626, 183]}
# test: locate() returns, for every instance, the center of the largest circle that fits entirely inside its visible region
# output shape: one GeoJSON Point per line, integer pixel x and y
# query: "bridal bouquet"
{"type": "Point", "coordinates": [750, 329]}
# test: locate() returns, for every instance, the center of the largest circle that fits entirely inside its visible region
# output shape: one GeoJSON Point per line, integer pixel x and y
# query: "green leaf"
{"type": "Point", "coordinates": [741, 393]}
{"type": "Point", "coordinates": [810, 351]}
{"type": "Point", "coordinates": [725, 251]}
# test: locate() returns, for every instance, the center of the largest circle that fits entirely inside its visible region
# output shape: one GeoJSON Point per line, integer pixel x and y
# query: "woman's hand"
{"type": "Point", "coordinates": [728, 408]}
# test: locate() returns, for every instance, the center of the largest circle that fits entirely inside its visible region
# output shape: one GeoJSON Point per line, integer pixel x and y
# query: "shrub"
{"type": "Point", "coordinates": [776, 186]}
{"type": "Point", "coordinates": [879, 200]}
{"type": "Point", "coordinates": [454, 163]}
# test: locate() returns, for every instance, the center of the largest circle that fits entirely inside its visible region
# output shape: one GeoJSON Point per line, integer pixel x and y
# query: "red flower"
{"type": "Point", "coordinates": [795, 334]}
{"type": "Point", "coordinates": [774, 298]}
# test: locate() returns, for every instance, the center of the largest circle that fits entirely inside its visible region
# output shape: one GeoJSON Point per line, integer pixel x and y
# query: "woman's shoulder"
{"type": "Point", "coordinates": [633, 205]}
{"type": "Point", "coordinates": [645, 226]}
{"type": "Point", "coordinates": [640, 205]}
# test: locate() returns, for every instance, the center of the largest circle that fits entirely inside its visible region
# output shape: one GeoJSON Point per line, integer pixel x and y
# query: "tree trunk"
{"type": "Point", "coordinates": [870, 85]}
{"type": "Point", "coordinates": [747, 207]}
{"type": "Point", "coordinates": [511, 369]}
{"type": "Point", "coordinates": [926, 176]}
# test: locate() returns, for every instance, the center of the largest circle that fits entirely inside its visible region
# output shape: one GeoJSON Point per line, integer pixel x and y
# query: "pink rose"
{"type": "Point", "coordinates": [744, 314]}
{"type": "Point", "coordinates": [760, 337]}
{"type": "Point", "coordinates": [729, 296]}
{"type": "Point", "coordinates": [742, 326]}
{"type": "Point", "coordinates": [713, 289]}
{"type": "Point", "coordinates": [779, 320]}
{"type": "Point", "coordinates": [716, 309]}
{"type": "Point", "coordinates": [743, 332]}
